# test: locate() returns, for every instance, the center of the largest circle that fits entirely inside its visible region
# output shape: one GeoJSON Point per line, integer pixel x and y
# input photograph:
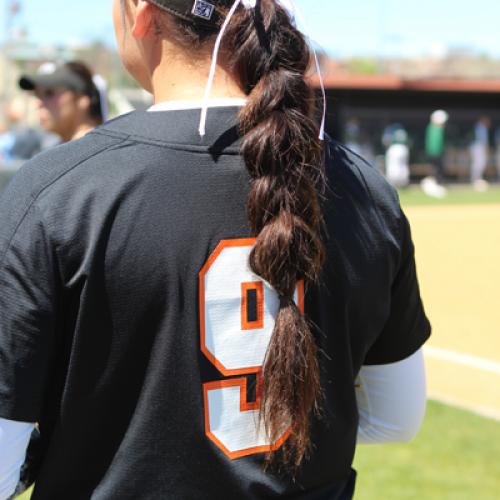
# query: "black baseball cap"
{"type": "Point", "coordinates": [57, 77]}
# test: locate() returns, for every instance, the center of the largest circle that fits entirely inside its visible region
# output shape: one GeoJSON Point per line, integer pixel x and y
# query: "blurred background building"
{"type": "Point", "coordinates": [377, 101]}
{"type": "Point", "coordinates": [370, 92]}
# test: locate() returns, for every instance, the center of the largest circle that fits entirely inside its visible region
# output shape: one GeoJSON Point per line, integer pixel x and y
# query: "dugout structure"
{"type": "Point", "coordinates": [377, 102]}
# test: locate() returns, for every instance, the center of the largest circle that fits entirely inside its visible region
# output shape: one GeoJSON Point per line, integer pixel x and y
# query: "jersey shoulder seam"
{"type": "Point", "coordinates": [167, 145]}
{"type": "Point", "coordinates": [33, 198]}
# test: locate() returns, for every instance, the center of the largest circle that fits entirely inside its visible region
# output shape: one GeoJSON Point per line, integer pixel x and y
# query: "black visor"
{"type": "Point", "coordinates": [61, 77]}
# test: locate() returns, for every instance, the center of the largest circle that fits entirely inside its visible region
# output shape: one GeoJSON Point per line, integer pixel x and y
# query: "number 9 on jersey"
{"type": "Point", "coordinates": [237, 315]}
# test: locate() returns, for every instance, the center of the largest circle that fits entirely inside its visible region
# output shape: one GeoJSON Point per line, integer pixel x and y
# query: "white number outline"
{"type": "Point", "coordinates": [234, 382]}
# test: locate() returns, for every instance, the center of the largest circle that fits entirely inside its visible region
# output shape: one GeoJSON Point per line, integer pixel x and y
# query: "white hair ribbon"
{"type": "Point", "coordinates": [297, 15]}
{"type": "Point", "coordinates": [251, 4]}
{"type": "Point", "coordinates": [101, 86]}
{"type": "Point", "coordinates": [213, 67]}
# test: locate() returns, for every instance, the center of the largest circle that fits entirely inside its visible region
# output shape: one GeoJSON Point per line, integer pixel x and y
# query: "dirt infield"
{"type": "Point", "coordinates": [458, 258]}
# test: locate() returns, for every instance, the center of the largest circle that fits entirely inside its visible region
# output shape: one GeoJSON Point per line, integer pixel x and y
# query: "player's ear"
{"type": "Point", "coordinates": [143, 19]}
{"type": "Point", "coordinates": [83, 103]}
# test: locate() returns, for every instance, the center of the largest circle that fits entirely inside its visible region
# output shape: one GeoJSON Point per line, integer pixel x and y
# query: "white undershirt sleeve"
{"type": "Point", "coordinates": [391, 400]}
{"type": "Point", "coordinates": [14, 440]}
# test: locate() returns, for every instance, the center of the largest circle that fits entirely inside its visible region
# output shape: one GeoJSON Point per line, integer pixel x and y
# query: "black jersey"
{"type": "Point", "coordinates": [133, 331]}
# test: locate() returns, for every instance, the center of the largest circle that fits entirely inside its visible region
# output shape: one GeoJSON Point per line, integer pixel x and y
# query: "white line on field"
{"type": "Point", "coordinates": [482, 411]}
{"type": "Point", "coordinates": [485, 365]}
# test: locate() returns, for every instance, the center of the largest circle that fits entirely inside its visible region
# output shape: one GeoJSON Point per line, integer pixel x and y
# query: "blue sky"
{"type": "Point", "coordinates": [343, 28]}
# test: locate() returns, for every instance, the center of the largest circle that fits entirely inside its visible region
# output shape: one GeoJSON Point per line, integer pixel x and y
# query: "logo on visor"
{"type": "Point", "coordinates": [203, 9]}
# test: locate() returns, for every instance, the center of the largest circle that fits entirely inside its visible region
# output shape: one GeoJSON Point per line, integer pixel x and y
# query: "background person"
{"type": "Point", "coordinates": [435, 151]}
{"type": "Point", "coordinates": [397, 160]}
{"type": "Point", "coordinates": [182, 305]}
{"type": "Point", "coordinates": [497, 151]}
{"type": "Point", "coordinates": [69, 101]}
{"type": "Point", "coordinates": [480, 153]}
{"type": "Point", "coordinates": [18, 142]}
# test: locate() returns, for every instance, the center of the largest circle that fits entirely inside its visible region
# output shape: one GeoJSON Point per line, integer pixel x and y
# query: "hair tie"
{"type": "Point", "coordinates": [286, 301]}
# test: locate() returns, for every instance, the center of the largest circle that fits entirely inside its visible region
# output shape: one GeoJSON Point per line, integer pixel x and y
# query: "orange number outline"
{"type": "Point", "coordinates": [242, 383]}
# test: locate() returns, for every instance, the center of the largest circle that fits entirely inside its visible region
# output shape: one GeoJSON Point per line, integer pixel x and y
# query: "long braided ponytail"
{"type": "Point", "coordinates": [283, 154]}
{"type": "Point", "coordinates": [269, 58]}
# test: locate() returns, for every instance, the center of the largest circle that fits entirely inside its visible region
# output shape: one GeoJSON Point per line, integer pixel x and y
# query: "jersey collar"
{"type": "Point", "coordinates": [223, 102]}
{"type": "Point", "coordinates": [178, 127]}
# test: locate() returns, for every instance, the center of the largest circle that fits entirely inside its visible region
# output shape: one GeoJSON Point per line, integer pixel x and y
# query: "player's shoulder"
{"type": "Point", "coordinates": [53, 164]}
{"type": "Point", "coordinates": [37, 177]}
{"type": "Point", "coordinates": [349, 175]}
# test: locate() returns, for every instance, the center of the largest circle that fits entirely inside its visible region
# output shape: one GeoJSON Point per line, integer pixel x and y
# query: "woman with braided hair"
{"type": "Point", "coordinates": [209, 299]}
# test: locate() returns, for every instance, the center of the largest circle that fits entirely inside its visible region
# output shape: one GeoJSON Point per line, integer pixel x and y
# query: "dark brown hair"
{"type": "Point", "coordinates": [269, 58]}
{"type": "Point", "coordinates": [91, 91]}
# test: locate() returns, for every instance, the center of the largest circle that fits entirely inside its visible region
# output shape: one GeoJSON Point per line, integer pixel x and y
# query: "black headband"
{"type": "Point", "coordinates": [205, 12]}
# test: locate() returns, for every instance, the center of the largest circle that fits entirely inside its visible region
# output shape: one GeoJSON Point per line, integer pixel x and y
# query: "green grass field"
{"type": "Point", "coordinates": [457, 195]}
{"type": "Point", "coordinates": [454, 457]}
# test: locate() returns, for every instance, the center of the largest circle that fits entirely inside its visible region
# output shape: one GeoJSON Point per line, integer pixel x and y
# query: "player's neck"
{"type": "Point", "coordinates": [80, 131]}
{"type": "Point", "coordinates": [178, 79]}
